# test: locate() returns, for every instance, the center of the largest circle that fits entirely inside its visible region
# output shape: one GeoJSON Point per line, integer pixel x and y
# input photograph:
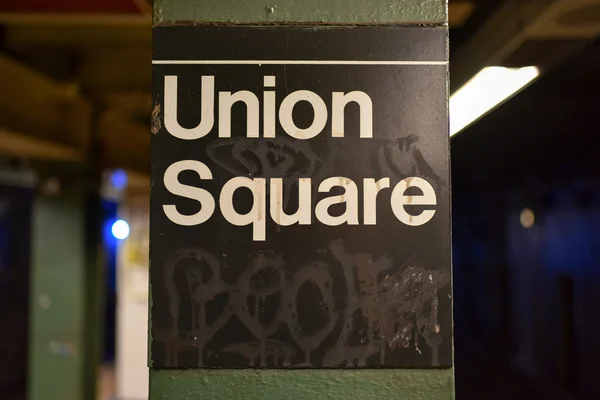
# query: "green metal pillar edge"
{"type": "Point", "coordinates": [249, 384]}
{"type": "Point", "coordinates": [358, 12]}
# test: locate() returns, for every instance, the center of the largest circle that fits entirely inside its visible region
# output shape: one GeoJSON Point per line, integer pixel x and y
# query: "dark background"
{"type": "Point", "coordinates": [526, 300]}
{"type": "Point", "coordinates": [15, 228]}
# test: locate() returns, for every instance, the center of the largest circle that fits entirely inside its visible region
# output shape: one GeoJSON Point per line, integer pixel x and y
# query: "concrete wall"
{"type": "Point", "coordinates": [132, 304]}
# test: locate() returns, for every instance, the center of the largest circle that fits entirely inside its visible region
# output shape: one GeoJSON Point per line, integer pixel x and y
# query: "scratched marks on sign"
{"type": "Point", "coordinates": [290, 159]}
{"type": "Point", "coordinates": [284, 157]}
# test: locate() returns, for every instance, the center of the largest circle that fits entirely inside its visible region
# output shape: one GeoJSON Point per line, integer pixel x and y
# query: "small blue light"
{"type": "Point", "coordinates": [118, 179]}
{"type": "Point", "coordinates": [120, 229]}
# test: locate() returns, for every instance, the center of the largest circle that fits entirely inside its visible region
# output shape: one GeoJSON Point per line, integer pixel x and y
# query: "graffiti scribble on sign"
{"type": "Point", "coordinates": [398, 308]}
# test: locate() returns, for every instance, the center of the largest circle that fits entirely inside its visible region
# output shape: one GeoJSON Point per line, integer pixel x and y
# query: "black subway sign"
{"type": "Point", "coordinates": [300, 209]}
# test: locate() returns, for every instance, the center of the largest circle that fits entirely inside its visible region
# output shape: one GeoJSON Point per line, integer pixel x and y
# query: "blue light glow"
{"type": "Point", "coordinates": [120, 229]}
{"type": "Point", "coordinates": [118, 179]}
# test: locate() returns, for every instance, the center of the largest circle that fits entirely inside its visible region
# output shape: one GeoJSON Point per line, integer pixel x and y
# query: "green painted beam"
{"type": "Point", "coordinates": [369, 12]}
{"type": "Point", "coordinates": [400, 384]}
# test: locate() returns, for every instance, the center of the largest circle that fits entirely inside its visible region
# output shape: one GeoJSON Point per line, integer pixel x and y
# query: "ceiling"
{"type": "Point", "coordinates": [79, 68]}
{"type": "Point", "coordinates": [548, 130]}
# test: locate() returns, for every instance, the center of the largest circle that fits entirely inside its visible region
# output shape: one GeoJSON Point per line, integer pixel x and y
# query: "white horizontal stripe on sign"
{"type": "Point", "coordinates": [299, 62]}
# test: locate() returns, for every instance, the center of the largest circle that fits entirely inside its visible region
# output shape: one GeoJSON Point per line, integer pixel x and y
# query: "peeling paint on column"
{"type": "Point", "coordinates": [155, 123]}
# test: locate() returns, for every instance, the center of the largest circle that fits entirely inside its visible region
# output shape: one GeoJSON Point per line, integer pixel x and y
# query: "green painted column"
{"type": "Point", "coordinates": [363, 12]}
{"type": "Point", "coordinates": [57, 309]}
{"type": "Point", "coordinates": [66, 286]}
{"type": "Point", "coordinates": [166, 384]}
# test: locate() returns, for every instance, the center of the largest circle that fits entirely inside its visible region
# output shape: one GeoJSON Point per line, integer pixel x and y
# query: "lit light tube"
{"type": "Point", "coordinates": [485, 91]}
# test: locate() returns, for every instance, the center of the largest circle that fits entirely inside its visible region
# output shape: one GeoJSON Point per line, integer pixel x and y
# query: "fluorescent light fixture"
{"type": "Point", "coordinates": [485, 91]}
